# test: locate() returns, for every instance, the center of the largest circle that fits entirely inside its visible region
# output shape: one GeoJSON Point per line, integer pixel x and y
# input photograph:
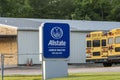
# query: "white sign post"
{"type": "Point", "coordinates": [55, 47]}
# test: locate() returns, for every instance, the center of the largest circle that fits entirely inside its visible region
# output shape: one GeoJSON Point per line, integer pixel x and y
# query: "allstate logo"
{"type": "Point", "coordinates": [56, 32]}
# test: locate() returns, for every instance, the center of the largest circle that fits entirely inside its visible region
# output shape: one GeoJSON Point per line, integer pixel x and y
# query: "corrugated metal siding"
{"type": "Point", "coordinates": [77, 47]}
{"type": "Point", "coordinates": [28, 43]}
{"type": "Point", "coordinates": [28, 47]}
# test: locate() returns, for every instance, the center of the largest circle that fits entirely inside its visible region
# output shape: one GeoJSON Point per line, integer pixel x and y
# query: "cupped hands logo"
{"type": "Point", "coordinates": [56, 32]}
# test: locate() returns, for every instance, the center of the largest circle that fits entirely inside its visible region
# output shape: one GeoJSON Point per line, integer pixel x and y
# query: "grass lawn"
{"type": "Point", "coordinates": [23, 77]}
{"type": "Point", "coordinates": [77, 76]}
{"type": "Point", "coordinates": [91, 76]}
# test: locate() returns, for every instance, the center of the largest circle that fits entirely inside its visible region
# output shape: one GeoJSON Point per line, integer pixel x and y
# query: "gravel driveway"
{"type": "Point", "coordinates": [37, 70]}
{"type": "Point", "coordinates": [94, 69]}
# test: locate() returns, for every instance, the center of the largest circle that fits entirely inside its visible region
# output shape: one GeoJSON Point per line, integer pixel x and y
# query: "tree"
{"type": "Point", "coordinates": [39, 8]}
{"type": "Point", "coordinates": [93, 9]}
{"type": "Point", "coordinates": [21, 9]}
{"type": "Point", "coordinates": [15, 8]}
{"type": "Point", "coordinates": [115, 11]}
{"type": "Point", "coordinates": [62, 9]}
{"type": "Point", "coordinates": [54, 9]}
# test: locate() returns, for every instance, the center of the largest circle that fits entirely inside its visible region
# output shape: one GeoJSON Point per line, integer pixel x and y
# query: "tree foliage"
{"type": "Point", "coordinates": [62, 9]}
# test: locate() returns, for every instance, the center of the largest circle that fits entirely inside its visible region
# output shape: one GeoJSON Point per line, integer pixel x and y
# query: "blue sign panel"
{"type": "Point", "coordinates": [56, 40]}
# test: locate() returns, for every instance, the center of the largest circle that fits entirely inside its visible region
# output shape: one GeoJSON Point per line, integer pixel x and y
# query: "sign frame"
{"type": "Point", "coordinates": [59, 44]}
{"type": "Point", "coordinates": [59, 63]}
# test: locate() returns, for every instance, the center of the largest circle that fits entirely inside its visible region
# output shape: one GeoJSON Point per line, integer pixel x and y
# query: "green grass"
{"type": "Point", "coordinates": [91, 76]}
{"type": "Point", "coordinates": [23, 77]}
{"type": "Point", "coordinates": [78, 76]}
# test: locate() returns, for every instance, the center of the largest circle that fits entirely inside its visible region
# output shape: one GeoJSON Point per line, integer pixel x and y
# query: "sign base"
{"type": "Point", "coordinates": [54, 68]}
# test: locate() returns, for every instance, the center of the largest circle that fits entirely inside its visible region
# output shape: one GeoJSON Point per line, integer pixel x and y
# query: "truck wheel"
{"type": "Point", "coordinates": [107, 64]}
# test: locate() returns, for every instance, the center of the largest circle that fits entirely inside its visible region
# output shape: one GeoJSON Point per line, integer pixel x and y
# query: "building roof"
{"type": "Point", "coordinates": [75, 25]}
{"type": "Point", "coordinates": [83, 25]}
{"type": "Point", "coordinates": [21, 23]}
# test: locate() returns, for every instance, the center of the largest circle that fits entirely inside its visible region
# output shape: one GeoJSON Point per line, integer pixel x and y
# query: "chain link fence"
{"type": "Point", "coordinates": [21, 64]}
{"type": "Point", "coordinates": [12, 60]}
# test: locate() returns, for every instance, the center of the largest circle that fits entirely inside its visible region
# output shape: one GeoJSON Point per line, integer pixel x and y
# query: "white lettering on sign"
{"type": "Point", "coordinates": [56, 43]}
{"type": "Point", "coordinates": [56, 52]}
{"type": "Point", "coordinates": [59, 50]}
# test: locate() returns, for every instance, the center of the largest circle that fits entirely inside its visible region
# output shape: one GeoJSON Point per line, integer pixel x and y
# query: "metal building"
{"type": "Point", "coordinates": [79, 30]}
{"type": "Point", "coordinates": [27, 39]}
{"type": "Point", "coordinates": [28, 36]}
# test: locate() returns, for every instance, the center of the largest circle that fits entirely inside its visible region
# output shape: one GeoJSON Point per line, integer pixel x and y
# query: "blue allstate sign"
{"type": "Point", "coordinates": [56, 40]}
